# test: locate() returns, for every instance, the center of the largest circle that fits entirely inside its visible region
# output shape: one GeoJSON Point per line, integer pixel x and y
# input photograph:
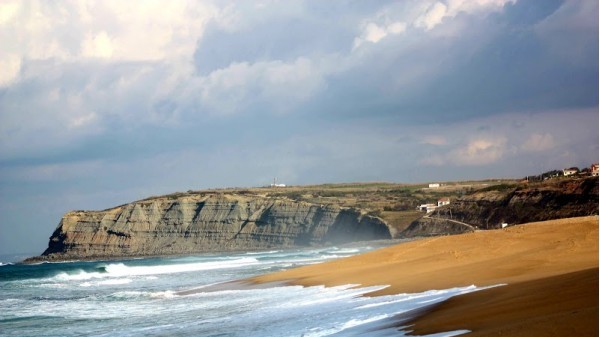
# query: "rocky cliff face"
{"type": "Point", "coordinates": [436, 226]}
{"type": "Point", "coordinates": [489, 208]}
{"type": "Point", "coordinates": [193, 223]}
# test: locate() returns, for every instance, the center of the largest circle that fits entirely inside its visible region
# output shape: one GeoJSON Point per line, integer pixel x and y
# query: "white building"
{"type": "Point", "coordinates": [443, 201]}
{"type": "Point", "coordinates": [275, 184]}
{"type": "Point", "coordinates": [434, 185]}
{"type": "Point", "coordinates": [427, 208]}
{"type": "Point", "coordinates": [570, 171]}
{"type": "Point", "coordinates": [594, 170]}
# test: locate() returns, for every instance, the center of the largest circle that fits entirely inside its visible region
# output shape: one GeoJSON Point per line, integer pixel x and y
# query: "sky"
{"type": "Point", "coordinates": [107, 102]}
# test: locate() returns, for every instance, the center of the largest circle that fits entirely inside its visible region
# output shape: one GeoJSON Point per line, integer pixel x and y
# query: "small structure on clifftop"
{"type": "Point", "coordinates": [594, 170]}
{"type": "Point", "coordinates": [427, 208]}
{"type": "Point", "coordinates": [443, 201]}
{"type": "Point", "coordinates": [275, 184]}
{"type": "Point", "coordinates": [570, 171]}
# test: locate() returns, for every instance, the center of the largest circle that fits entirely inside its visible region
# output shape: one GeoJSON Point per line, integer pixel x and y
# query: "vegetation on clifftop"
{"type": "Point", "coordinates": [397, 203]}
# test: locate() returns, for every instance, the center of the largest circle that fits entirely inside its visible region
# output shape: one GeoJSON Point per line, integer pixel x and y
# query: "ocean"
{"type": "Point", "coordinates": [182, 296]}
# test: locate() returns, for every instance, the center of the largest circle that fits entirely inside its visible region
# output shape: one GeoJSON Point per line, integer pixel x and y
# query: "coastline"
{"type": "Point", "coordinates": [534, 260]}
{"type": "Point", "coordinates": [39, 259]}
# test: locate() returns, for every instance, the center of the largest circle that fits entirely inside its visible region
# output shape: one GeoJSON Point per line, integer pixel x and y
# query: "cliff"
{"type": "Point", "coordinates": [512, 204]}
{"type": "Point", "coordinates": [206, 222]}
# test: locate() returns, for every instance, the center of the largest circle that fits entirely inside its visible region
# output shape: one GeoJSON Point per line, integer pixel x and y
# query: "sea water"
{"type": "Point", "coordinates": [177, 296]}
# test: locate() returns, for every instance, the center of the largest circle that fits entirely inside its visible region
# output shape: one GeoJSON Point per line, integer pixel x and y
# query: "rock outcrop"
{"type": "Point", "coordinates": [427, 226]}
{"type": "Point", "coordinates": [489, 208]}
{"type": "Point", "coordinates": [206, 222]}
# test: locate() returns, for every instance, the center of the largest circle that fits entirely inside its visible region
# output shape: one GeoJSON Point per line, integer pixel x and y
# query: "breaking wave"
{"type": "Point", "coordinates": [121, 270]}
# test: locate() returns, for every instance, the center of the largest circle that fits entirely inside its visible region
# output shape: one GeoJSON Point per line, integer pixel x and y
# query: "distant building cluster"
{"type": "Point", "coordinates": [592, 170]}
{"type": "Point", "coordinates": [586, 171]}
{"type": "Point", "coordinates": [432, 207]}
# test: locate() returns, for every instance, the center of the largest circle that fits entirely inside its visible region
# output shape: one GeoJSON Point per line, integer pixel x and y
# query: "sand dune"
{"type": "Point", "coordinates": [550, 268]}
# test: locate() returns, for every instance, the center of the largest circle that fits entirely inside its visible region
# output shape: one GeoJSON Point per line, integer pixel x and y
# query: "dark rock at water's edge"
{"type": "Point", "coordinates": [491, 207]}
{"type": "Point", "coordinates": [206, 222]}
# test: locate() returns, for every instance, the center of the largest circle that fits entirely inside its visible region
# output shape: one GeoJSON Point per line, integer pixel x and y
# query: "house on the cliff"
{"type": "Point", "coordinates": [443, 201]}
{"type": "Point", "coordinates": [427, 207]}
{"type": "Point", "coordinates": [570, 171]}
{"type": "Point", "coordinates": [594, 170]}
{"type": "Point", "coordinates": [431, 207]}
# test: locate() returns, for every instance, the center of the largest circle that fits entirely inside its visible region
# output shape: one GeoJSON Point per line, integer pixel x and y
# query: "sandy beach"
{"type": "Point", "coordinates": [550, 272]}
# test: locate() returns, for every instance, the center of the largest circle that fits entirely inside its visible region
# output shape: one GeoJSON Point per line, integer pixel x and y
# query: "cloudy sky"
{"type": "Point", "coordinates": [106, 102]}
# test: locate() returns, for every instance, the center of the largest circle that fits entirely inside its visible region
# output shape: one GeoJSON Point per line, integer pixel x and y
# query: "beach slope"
{"type": "Point", "coordinates": [550, 270]}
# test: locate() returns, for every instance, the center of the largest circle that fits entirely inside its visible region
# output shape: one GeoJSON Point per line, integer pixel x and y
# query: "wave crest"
{"type": "Point", "coordinates": [123, 270]}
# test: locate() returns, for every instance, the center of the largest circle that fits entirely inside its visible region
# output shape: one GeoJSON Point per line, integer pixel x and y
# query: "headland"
{"type": "Point", "coordinates": [298, 216]}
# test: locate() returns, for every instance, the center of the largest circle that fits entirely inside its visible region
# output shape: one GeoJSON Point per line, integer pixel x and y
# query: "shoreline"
{"type": "Point", "coordinates": [33, 260]}
{"type": "Point", "coordinates": [561, 305]}
{"type": "Point", "coordinates": [534, 261]}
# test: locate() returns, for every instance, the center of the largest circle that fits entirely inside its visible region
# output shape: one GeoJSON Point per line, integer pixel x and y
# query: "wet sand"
{"type": "Point", "coordinates": [550, 270]}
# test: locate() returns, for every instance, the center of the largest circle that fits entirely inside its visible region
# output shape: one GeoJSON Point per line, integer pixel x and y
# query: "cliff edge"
{"type": "Point", "coordinates": [206, 222]}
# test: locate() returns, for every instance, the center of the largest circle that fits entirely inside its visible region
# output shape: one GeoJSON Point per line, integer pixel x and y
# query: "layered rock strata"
{"type": "Point", "coordinates": [193, 223]}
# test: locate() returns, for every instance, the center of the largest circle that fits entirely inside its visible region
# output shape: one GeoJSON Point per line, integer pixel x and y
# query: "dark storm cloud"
{"type": "Point", "coordinates": [501, 61]}
{"type": "Point", "coordinates": [283, 31]}
{"type": "Point", "coordinates": [516, 71]}
{"type": "Point", "coordinates": [510, 68]}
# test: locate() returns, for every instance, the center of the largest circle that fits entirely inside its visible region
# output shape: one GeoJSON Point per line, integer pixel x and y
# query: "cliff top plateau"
{"type": "Point", "coordinates": [283, 217]}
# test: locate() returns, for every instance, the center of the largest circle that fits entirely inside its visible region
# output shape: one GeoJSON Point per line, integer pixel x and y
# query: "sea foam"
{"type": "Point", "coordinates": [150, 297]}
{"type": "Point", "coordinates": [122, 270]}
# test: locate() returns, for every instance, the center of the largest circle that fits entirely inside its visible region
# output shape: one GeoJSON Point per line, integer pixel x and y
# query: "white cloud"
{"type": "Point", "coordinates": [422, 14]}
{"type": "Point", "coordinates": [372, 32]}
{"type": "Point", "coordinates": [539, 142]}
{"type": "Point", "coordinates": [432, 17]}
{"type": "Point", "coordinates": [151, 30]}
{"type": "Point", "coordinates": [482, 151]}
{"type": "Point", "coordinates": [113, 30]}
{"type": "Point", "coordinates": [279, 85]}
{"type": "Point", "coordinates": [473, 6]}
{"type": "Point", "coordinates": [8, 10]}
{"type": "Point", "coordinates": [433, 14]}
{"type": "Point", "coordinates": [477, 151]}
{"type": "Point", "coordinates": [99, 45]}
{"type": "Point", "coordinates": [517, 142]}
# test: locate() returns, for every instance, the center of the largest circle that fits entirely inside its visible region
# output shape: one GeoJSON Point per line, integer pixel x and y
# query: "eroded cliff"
{"type": "Point", "coordinates": [490, 207]}
{"type": "Point", "coordinates": [192, 223]}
